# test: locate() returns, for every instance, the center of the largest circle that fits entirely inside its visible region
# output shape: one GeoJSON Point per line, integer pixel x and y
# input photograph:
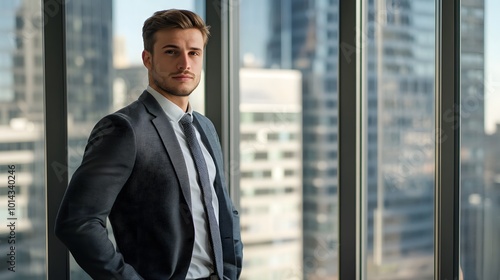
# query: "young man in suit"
{"type": "Point", "coordinates": [155, 169]}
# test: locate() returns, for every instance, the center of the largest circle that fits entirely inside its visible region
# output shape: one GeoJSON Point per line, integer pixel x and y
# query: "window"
{"type": "Point", "coordinates": [479, 145]}
{"type": "Point", "coordinates": [399, 178]}
{"type": "Point", "coordinates": [22, 129]}
{"type": "Point", "coordinates": [289, 120]}
{"type": "Point", "coordinates": [274, 90]}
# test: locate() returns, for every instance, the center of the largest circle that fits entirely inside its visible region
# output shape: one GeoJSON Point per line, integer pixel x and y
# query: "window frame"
{"type": "Point", "coordinates": [56, 131]}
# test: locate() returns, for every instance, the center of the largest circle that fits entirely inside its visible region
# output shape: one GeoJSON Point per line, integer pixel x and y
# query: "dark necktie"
{"type": "Point", "coordinates": [206, 190]}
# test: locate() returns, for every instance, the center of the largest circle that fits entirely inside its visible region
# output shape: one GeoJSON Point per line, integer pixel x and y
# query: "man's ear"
{"type": "Point", "coordinates": [147, 59]}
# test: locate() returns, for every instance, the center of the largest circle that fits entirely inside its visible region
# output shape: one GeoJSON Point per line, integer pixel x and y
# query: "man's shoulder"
{"type": "Point", "coordinates": [199, 116]}
{"type": "Point", "coordinates": [203, 120]}
{"type": "Point", "coordinates": [206, 124]}
{"type": "Point", "coordinates": [131, 109]}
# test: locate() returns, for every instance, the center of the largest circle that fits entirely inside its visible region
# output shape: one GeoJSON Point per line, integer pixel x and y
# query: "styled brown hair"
{"type": "Point", "coordinates": [169, 19]}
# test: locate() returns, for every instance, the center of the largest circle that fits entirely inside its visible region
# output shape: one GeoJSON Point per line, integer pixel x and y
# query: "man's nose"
{"type": "Point", "coordinates": [183, 62]}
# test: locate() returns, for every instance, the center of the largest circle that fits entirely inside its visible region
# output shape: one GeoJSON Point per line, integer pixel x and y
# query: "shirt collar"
{"type": "Point", "coordinates": [174, 113]}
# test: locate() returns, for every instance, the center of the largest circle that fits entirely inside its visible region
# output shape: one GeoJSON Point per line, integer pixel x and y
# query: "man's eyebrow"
{"type": "Point", "coordinates": [170, 46]}
{"type": "Point", "coordinates": [177, 47]}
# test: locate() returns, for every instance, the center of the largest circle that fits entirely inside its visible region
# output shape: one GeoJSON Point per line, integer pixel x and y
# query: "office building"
{"type": "Point", "coordinates": [129, 82]}
{"type": "Point", "coordinates": [271, 173]}
{"type": "Point", "coordinates": [304, 37]}
{"type": "Point", "coordinates": [89, 39]}
{"type": "Point", "coordinates": [22, 112]}
{"type": "Point", "coordinates": [473, 192]}
{"type": "Point", "coordinates": [492, 205]}
{"type": "Point", "coordinates": [89, 46]}
{"type": "Point", "coordinates": [22, 190]}
{"type": "Point", "coordinates": [399, 133]}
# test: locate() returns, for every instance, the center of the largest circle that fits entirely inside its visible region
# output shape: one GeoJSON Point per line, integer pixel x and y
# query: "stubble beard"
{"type": "Point", "coordinates": [162, 84]}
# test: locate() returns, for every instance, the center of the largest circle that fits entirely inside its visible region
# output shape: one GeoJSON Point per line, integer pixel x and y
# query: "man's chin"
{"type": "Point", "coordinates": [183, 91]}
{"type": "Point", "coordinates": [177, 91]}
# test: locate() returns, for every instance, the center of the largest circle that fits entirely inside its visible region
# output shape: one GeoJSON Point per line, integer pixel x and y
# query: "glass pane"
{"type": "Point", "coordinates": [399, 138]}
{"type": "Point", "coordinates": [104, 67]}
{"type": "Point", "coordinates": [479, 151]}
{"type": "Point", "coordinates": [288, 105]}
{"type": "Point", "coordinates": [22, 158]}
{"type": "Point", "coordinates": [89, 65]}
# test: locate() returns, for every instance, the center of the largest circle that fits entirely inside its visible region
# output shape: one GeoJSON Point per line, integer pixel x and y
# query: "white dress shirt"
{"type": "Point", "coordinates": [201, 261]}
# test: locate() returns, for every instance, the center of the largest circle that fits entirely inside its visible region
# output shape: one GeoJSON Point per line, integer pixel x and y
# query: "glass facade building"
{"type": "Point", "coordinates": [473, 243]}
{"type": "Point", "coordinates": [399, 83]}
{"type": "Point", "coordinates": [271, 173]}
{"type": "Point", "coordinates": [398, 46]}
{"type": "Point", "coordinates": [22, 158]}
{"type": "Point", "coordinates": [304, 37]}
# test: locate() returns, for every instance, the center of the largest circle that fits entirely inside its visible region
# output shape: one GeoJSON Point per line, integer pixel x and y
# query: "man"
{"type": "Point", "coordinates": [155, 169]}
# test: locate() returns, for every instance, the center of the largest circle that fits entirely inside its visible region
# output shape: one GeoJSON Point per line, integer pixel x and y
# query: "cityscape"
{"type": "Point", "coordinates": [288, 132]}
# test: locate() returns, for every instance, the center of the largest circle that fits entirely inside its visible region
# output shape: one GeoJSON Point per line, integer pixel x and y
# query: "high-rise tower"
{"type": "Point", "coordinates": [305, 37]}
{"type": "Point", "coordinates": [399, 63]}
{"type": "Point", "coordinates": [472, 167]}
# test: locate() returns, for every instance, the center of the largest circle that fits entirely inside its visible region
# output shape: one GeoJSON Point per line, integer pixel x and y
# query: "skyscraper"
{"type": "Point", "coordinates": [89, 35]}
{"type": "Point", "coordinates": [400, 138]}
{"type": "Point", "coordinates": [304, 37]}
{"type": "Point", "coordinates": [89, 71]}
{"type": "Point", "coordinates": [398, 41]}
{"type": "Point", "coordinates": [89, 63]}
{"type": "Point", "coordinates": [21, 141]}
{"type": "Point", "coordinates": [492, 205]}
{"type": "Point", "coordinates": [472, 172]}
{"type": "Point", "coordinates": [271, 185]}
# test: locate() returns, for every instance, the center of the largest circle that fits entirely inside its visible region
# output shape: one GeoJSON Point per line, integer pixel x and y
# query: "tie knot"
{"type": "Point", "coordinates": [186, 119]}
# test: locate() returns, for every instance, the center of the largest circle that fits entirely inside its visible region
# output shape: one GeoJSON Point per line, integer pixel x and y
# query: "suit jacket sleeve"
{"type": "Point", "coordinates": [81, 222]}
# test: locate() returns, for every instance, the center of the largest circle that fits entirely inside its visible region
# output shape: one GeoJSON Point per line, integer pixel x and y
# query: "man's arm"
{"type": "Point", "coordinates": [81, 222]}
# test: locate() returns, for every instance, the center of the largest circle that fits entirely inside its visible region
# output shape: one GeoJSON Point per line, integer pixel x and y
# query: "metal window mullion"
{"type": "Point", "coordinates": [447, 178]}
{"type": "Point", "coordinates": [349, 141]}
{"type": "Point", "coordinates": [222, 83]}
{"type": "Point", "coordinates": [233, 101]}
{"type": "Point", "coordinates": [55, 107]}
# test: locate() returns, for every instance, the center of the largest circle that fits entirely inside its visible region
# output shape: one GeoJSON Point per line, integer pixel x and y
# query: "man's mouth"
{"type": "Point", "coordinates": [182, 77]}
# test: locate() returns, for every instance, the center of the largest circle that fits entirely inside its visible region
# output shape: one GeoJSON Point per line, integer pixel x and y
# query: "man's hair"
{"type": "Point", "coordinates": [169, 19]}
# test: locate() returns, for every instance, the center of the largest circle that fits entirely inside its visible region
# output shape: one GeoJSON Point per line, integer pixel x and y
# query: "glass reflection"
{"type": "Point", "coordinates": [480, 196]}
{"type": "Point", "coordinates": [399, 135]}
{"type": "Point", "coordinates": [288, 104]}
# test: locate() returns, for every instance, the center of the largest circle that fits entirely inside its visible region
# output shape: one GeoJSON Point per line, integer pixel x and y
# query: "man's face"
{"type": "Point", "coordinates": [176, 63]}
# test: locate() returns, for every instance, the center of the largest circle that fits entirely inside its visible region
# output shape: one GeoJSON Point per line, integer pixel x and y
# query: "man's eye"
{"type": "Point", "coordinates": [195, 53]}
{"type": "Point", "coordinates": [170, 52]}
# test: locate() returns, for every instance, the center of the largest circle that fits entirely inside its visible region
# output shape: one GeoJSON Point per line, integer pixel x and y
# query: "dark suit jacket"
{"type": "Point", "coordinates": [133, 171]}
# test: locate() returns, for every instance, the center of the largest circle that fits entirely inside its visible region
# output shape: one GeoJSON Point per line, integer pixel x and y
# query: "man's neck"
{"type": "Point", "coordinates": [181, 101]}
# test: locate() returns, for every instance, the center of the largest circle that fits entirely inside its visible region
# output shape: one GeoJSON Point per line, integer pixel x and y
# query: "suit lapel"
{"type": "Point", "coordinates": [169, 139]}
{"type": "Point", "coordinates": [213, 148]}
{"type": "Point", "coordinates": [208, 141]}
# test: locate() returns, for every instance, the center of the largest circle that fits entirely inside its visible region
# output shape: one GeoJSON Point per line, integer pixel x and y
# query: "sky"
{"type": "Point", "coordinates": [492, 60]}
{"type": "Point", "coordinates": [129, 17]}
